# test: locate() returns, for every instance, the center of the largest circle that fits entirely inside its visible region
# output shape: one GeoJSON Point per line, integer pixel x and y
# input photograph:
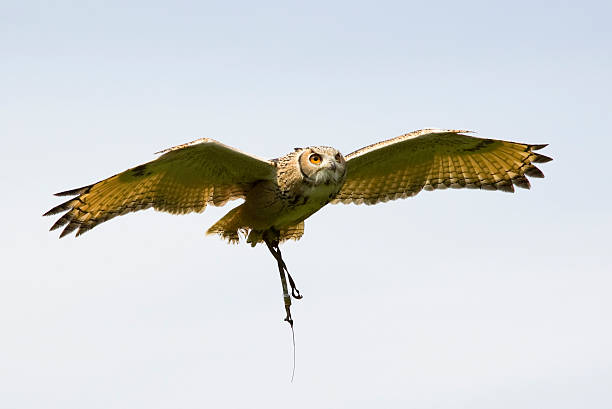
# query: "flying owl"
{"type": "Point", "coordinates": [279, 194]}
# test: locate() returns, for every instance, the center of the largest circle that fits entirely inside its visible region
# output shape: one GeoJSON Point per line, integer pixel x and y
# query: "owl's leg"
{"type": "Point", "coordinates": [295, 293]}
{"type": "Point", "coordinates": [282, 269]}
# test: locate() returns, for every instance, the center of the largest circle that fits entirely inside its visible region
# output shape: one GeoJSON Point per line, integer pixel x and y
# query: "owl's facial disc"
{"type": "Point", "coordinates": [324, 165]}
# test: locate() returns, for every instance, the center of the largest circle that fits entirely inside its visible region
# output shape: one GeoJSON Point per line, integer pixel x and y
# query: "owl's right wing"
{"type": "Point", "coordinates": [436, 159]}
{"type": "Point", "coordinates": [183, 179]}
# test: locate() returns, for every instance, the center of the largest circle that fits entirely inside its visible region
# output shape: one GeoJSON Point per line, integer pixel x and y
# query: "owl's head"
{"type": "Point", "coordinates": [322, 165]}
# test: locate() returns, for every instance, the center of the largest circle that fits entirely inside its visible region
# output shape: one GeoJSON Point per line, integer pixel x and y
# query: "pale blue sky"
{"type": "Point", "coordinates": [451, 299]}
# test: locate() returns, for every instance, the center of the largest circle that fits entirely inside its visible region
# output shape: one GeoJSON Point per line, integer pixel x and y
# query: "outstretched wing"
{"type": "Point", "coordinates": [436, 159]}
{"type": "Point", "coordinates": [184, 179]}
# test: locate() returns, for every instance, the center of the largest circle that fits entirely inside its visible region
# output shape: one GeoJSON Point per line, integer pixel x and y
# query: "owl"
{"type": "Point", "coordinates": [279, 194]}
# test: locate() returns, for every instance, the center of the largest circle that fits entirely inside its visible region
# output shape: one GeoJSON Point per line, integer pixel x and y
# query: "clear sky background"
{"type": "Point", "coordinates": [451, 299]}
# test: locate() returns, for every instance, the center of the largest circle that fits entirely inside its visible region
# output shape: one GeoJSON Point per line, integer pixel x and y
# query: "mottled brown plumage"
{"type": "Point", "coordinates": [280, 194]}
{"type": "Point", "coordinates": [300, 189]}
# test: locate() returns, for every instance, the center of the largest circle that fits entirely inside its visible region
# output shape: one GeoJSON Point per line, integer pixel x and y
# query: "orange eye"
{"type": "Point", "coordinates": [315, 159]}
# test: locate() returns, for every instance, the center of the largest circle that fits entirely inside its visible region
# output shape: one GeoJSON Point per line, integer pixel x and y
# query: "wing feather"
{"type": "Point", "coordinates": [437, 159]}
{"type": "Point", "coordinates": [184, 179]}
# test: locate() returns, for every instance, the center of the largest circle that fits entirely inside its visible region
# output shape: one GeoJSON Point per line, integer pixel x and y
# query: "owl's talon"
{"type": "Point", "coordinates": [295, 293]}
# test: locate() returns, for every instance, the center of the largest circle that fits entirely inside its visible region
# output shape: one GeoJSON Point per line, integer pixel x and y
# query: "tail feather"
{"type": "Point", "coordinates": [230, 226]}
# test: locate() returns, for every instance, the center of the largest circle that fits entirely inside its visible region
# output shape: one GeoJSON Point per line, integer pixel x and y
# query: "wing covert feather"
{"type": "Point", "coordinates": [183, 179]}
{"type": "Point", "coordinates": [436, 159]}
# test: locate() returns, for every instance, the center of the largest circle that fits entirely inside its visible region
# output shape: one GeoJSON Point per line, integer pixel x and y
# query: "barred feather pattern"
{"type": "Point", "coordinates": [110, 199]}
{"type": "Point", "coordinates": [185, 179]}
{"type": "Point", "coordinates": [233, 224]}
{"type": "Point", "coordinates": [294, 232]}
{"type": "Point", "coordinates": [437, 159]}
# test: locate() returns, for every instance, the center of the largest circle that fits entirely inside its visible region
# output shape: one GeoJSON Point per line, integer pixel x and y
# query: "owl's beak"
{"type": "Point", "coordinates": [332, 166]}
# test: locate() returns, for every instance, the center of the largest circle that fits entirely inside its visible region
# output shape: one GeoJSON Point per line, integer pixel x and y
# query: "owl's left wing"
{"type": "Point", "coordinates": [436, 159]}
